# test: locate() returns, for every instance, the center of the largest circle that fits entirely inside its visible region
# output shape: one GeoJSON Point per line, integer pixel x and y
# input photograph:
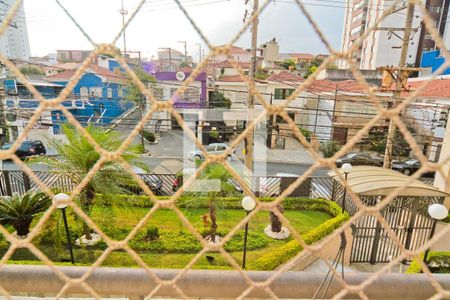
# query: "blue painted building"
{"type": "Point", "coordinates": [433, 60]}
{"type": "Point", "coordinates": [102, 92]}
{"type": "Point", "coordinates": [97, 97]}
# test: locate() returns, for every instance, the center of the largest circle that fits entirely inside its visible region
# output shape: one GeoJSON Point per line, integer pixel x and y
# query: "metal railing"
{"type": "Point", "coordinates": [135, 283]}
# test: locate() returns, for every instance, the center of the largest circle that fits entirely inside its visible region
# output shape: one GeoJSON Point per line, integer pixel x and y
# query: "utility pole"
{"type": "Point", "coordinates": [170, 58]}
{"type": "Point", "coordinates": [249, 139]}
{"type": "Point", "coordinates": [199, 52]}
{"type": "Point", "coordinates": [124, 12]}
{"type": "Point", "coordinates": [185, 50]}
{"type": "Point", "coordinates": [402, 72]}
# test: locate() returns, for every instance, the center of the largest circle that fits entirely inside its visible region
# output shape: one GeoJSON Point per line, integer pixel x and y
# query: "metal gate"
{"type": "Point", "coordinates": [408, 219]}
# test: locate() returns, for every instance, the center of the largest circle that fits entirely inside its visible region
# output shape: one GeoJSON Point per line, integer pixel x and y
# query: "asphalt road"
{"type": "Point", "coordinates": [171, 166]}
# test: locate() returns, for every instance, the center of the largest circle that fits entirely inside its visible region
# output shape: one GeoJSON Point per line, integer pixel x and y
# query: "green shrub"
{"type": "Point", "coordinates": [323, 205]}
{"type": "Point", "coordinates": [19, 210]}
{"type": "Point", "coordinates": [149, 136]}
{"type": "Point", "coordinates": [214, 134]}
{"type": "Point", "coordinates": [152, 233]}
{"type": "Point", "coordinates": [439, 261]}
{"type": "Point", "coordinates": [329, 148]}
{"type": "Point", "coordinates": [282, 254]}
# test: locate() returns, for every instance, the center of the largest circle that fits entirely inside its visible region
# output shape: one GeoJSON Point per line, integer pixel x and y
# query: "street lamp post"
{"type": "Point", "coordinates": [346, 168]}
{"type": "Point", "coordinates": [61, 203]}
{"type": "Point", "coordinates": [248, 203]}
{"type": "Point", "coordinates": [437, 212]}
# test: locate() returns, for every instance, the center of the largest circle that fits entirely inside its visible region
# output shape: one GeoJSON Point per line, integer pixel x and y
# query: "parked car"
{"type": "Point", "coordinates": [359, 159]}
{"type": "Point", "coordinates": [154, 182]}
{"type": "Point", "coordinates": [28, 148]}
{"type": "Point", "coordinates": [409, 166]}
{"type": "Point", "coordinates": [215, 148]}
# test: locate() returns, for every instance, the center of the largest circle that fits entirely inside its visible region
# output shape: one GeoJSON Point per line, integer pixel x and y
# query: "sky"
{"type": "Point", "coordinates": [160, 23]}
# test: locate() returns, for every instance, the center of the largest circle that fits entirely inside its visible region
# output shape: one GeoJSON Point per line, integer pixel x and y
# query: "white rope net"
{"type": "Point", "coordinates": [278, 109]}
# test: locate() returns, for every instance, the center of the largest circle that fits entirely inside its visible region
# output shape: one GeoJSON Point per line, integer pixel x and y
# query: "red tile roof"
{"type": "Point", "coordinates": [324, 85]}
{"type": "Point", "coordinates": [62, 75]}
{"type": "Point", "coordinates": [66, 75]}
{"type": "Point", "coordinates": [231, 78]}
{"type": "Point", "coordinates": [285, 76]}
{"type": "Point", "coordinates": [227, 64]}
{"type": "Point", "coordinates": [236, 49]}
{"type": "Point", "coordinates": [438, 88]}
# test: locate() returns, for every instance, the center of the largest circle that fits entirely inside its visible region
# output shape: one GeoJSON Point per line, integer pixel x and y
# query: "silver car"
{"type": "Point", "coordinates": [215, 148]}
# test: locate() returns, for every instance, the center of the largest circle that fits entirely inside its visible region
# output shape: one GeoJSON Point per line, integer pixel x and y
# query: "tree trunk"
{"type": "Point", "coordinates": [275, 222]}
{"type": "Point", "coordinates": [22, 226]}
{"type": "Point", "coordinates": [87, 200]}
{"type": "Point", "coordinates": [212, 216]}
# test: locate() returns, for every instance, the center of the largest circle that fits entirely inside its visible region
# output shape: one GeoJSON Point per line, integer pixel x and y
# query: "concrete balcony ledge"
{"type": "Point", "coordinates": [136, 283]}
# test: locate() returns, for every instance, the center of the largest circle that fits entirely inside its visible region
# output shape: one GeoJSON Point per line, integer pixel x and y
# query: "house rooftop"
{"type": "Point", "coordinates": [285, 76]}
{"type": "Point", "coordinates": [227, 64]}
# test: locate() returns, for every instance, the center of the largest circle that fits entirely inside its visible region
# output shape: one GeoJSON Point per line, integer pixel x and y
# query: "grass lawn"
{"type": "Point", "coordinates": [175, 248]}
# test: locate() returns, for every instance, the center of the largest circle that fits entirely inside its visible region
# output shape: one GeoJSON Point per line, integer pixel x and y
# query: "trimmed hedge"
{"type": "Point", "coordinates": [281, 255]}
{"type": "Point", "coordinates": [223, 202]}
{"type": "Point", "coordinates": [440, 258]}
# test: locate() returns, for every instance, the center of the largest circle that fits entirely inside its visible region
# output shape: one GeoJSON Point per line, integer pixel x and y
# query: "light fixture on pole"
{"type": "Point", "coordinates": [61, 202]}
{"type": "Point", "coordinates": [248, 203]}
{"type": "Point", "coordinates": [437, 212]}
{"type": "Point", "coordinates": [346, 168]}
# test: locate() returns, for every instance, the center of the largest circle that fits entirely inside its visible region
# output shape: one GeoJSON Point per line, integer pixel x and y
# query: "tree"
{"type": "Point", "coordinates": [217, 171]}
{"type": "Point", "coordinates": [275, 222]}
{"type": "Point", "coordinates": [329, 148]}
{"type": "Point", "coordinates": [378, 139]}
{"type": "Point", "coordinates": [77, 157]}
{"type": "Point", "coordinates": [312, 66]}
{"type": "Point", "coordinates": [19, 210]}
{"type": "Point", "coordinates": [218, 100]}
{"type": "Point", "coordinates": [29, 70]}
{"type": "Point", "coordinates": [261, 74]}
{"type": "Point", "coordinates": [289, 64]}
{"type": "Point", "coordinates": [134, 94]}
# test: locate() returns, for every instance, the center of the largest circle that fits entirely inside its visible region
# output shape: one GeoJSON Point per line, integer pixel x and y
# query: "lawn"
{"type": "Point", "coordinates": [175, 247]}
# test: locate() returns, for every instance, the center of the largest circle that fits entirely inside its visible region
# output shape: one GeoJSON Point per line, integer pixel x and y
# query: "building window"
{"type": "Point", "coordinates": [110, 93]}
{"type": "Point", "coordinates": [281, 94]}
{"type": "Point", "coordinates": [84, 92]}
{"type": "Point", "coordinates": [95, 92]}
{"type": "Point", "coordinates": [428, 36]}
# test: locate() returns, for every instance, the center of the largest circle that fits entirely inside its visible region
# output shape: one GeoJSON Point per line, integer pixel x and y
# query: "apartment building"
{"type": "Point", "coordinates": [382, 47]}
{"type": "Point", "coordinates": [14, 41]}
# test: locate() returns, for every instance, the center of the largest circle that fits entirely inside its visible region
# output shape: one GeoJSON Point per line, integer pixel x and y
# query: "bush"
{"type": "Point", "coordinates": [438, 261]}
{"type": "Point", "coordinates": [281, 255]}
{"type": "Point", "coordinates": [214, 134]}
{"type": "Point", "coordinates": [152, 233]}
{"type": "Point", "coordinates": [329, 148]}
{"type": "Point", "coordinates": [149, 136]}
{"type": "Point", "coordinates": [323, 205]}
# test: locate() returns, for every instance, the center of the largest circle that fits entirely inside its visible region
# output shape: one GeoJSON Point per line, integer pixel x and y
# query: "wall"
{"type": "Point", "coordinates": [443, 182]}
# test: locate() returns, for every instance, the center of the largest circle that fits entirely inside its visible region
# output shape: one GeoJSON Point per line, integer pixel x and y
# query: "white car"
{"type": "Point", "coordinates": [215, 148]}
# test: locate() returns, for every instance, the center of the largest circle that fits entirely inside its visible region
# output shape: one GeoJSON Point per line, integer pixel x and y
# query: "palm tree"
{"type": "Point", "coordinates": [77, 157]}
{"type": "Point", "coordinates": [275, 222]}
{"type": "Point", "coordinates": [216, 171]}
{"type": "Point", "coordinates": [19, 210]}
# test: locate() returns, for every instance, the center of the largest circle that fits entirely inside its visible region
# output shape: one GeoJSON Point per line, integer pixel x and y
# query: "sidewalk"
{"type": "Point", "coordinates": [292, 156]}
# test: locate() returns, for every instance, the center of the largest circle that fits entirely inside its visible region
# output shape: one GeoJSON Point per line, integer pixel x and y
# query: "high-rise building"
{"type": "Point", "coordinates": [383, 45]}
{"type": "Point", "coordinates": [14, 41]}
